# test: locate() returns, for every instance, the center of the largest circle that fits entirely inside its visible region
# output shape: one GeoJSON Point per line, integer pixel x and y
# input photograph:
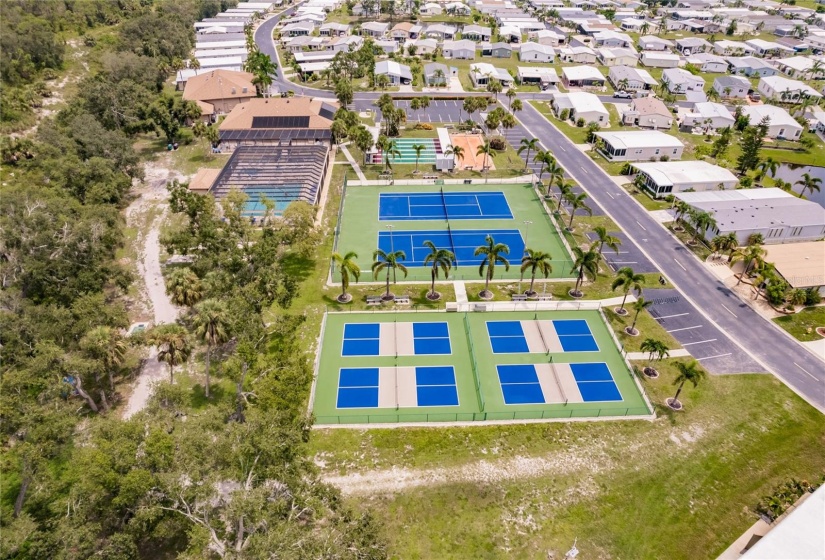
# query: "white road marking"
{"type": "Point", "coordinates": [676, 315]}
{"type": "Point", "coordinates": [611, 196]}
{"type": "Point", "coordinates": [700, 342]}
{"type": "Point", "coordinates": [563, 150]}
{"type": "Point", "coordinates": [680, 265]}
{"type": "Point", "coordinates": [711, 357]}
{"type": "Point", "coordinates": [728, 310]}
{"type": "Point", "coordinates": [623, 262]}
{"type": "Point", "coordinates": [686, 328]}
{"type": "Point", "coordinates": [806, 371]}
{"type": "Point", "coordinates": [640, 225]}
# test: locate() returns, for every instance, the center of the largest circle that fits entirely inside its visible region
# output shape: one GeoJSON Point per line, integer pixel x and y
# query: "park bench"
{"type": "Point", "coordinates": [429, 176]}
{"type": "Point", "coordinates": [402, 300]}
{"type": "Point", "coordinates": [519, 297]}
{"type": "Point", "coordinates": [373, 300]}
{"type": "Point", "coordinates": [544, 298]}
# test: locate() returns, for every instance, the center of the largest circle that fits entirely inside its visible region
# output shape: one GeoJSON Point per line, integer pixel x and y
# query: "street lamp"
{"type": "Point", "coordinates": [392, 250]}
{"type": "Point", "coordinates": [526, 237]}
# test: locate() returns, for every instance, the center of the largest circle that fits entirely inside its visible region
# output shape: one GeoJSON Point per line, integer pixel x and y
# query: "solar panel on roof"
{"type": "Point", "coordinates": [327, 112]}
{"type": "Point", "coordinates": [281, 122]}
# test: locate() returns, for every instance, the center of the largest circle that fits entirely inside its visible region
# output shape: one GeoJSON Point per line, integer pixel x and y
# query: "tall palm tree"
{"type": "Point", "coordinates": [554, 171]}
{"type": "Point", "coordinates": [750, 255]}
{"type": "Point", "coordinates": [492, 252]}
{"type": "Point", "coordinates": [418, 148]}
{"type": "Point", "coordinates": [577, 202]}
{"type": "Point", "coordinates": [348, 268]}
{"type": "Point", "coordinates": [623, 84]}
{"type": "Point", "coordinates": [212, 327]}
{"type": "Point", "coordinates": [702, 221]}
{"type": "Point", "coordinates": [536, 261]}
{"type": "Point", "coordinates": [438, 258]}
{"type": "Point", "coordinates": [389, 262]}
{"type": "Point", "coordinates": [629, 280]}
{"type": "Point", "coordinates": [565, 190]}
{"type": "Point", "coordinates": [586, 265]}
{"type": "Point", "coordinates": [457, 152]}
{"type": "Point", "coordinates": [174, 345]}
{"type": "Point", "coordinates": [688, 372]}
{"type": "Point", "coordinates": [511, 93]}
{"type": "Point", "coordinates": [730, 242]}
{"type": "Point", "coordinates": [543, 157]}
{"type": "Point", "coordinates": [604, 238]}
{"type": "Point", "coordinates": [638, 306]}
{"type": "Point", "coordinates": [656, 351]}
{"type": "Point", "coordinates": [487, 150]}
{"type": "Point", "coordinates": [388, 150]}
{"type": "Point", "coordinates": [765, 274]}
{"type": "Point", "coordinates": [516, 105]}
{"type": "Point", "coordinates": [529, 145]}
{"type": "Point", "coordinates": [107, 345]}
{"type": "Point", "coordinates": [809, 183]}
{"type": "Point", "coordinates": [767, 166]}
{"type": "Point", "coordinates": [184, 287]}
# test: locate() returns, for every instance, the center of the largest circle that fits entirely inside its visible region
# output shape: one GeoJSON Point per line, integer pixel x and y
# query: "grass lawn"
{"type": "Point", "coordinates": [684, 486]}
{"type": "Point", "coordinates": [803, 325]}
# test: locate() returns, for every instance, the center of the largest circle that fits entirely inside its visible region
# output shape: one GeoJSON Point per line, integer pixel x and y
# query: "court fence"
{"type": "Point", "coordinates": [418, 182]}
{"type": "Point", "coordinates": [558, 305]}
{"type": "Point", "coordinates": [337, 232]}
{"type": "Point", "coordinates": [562, 414]}
{"type": "Point", "coordinates": [554, 222]}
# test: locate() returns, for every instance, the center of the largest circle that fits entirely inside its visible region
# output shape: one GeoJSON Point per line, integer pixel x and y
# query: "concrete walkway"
{"type": "Point", "coordinates": [460, 292]}
{"type": "Point", "coordinates": [678, 353]}
{"type": "Point", "coordinates": [353, 163]}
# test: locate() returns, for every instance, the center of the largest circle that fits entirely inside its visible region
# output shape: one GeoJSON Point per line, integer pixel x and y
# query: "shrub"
{"type": "Point", "coordinates": [664, 158]}
{"type": "Point", "coordinates": [812, 296]}
{"type": "Point", "coordinates": [423, 126]}
{"type": "Point", "coordinates": [565, 114]}
{"type": "Point", "coordinates": [498, 143]}
{"type": "Point", "coordinates": [626, 169]}
{"type": "Point", "coordinates": [580, 122]}
{"type": "Point", "coordinates": [776, 292]}
{"type": "Point", "coordinates": [746, 182]}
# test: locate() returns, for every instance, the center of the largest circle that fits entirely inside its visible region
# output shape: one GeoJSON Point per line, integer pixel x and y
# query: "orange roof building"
{"type": "Point", "coordinates": [219, 91]}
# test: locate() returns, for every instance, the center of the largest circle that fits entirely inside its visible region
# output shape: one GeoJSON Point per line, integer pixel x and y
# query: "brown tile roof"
{"type": "Point", "coordinates": [219, 84]}
{"type": "Point", "coordinates": [403, 26]}
{"type": "Point", "coordinates": [651, 106]}
{"type": "Point", "coordinates": [204, 179]}
{"type": "Point", "coordinates": [241, 115]}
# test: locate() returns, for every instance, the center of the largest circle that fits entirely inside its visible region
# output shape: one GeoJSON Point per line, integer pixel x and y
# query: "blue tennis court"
{"type": "Point", "coordinates": [361, 339]}
{"type": "Point", "coordinates": [595, 382]}
{"type": "Point", "coordinates": [507, 337]}
{"type": "Point", "coordinates": [431, 338]}
{"type": "Point", "coordinates": [461, 242]}
{"type": "Point", "coordinates": [575, 336]}
{"type": "Point", "coordinates": [520, 384]}
{"type": "Point", "coordinates": [362, 387]}
{"type": "Point", "coordinates": [444, 205]}
{"type": "Point", "coordinates": [364, 339]}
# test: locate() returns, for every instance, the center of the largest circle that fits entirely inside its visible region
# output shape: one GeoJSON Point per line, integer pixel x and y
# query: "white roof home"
{"type": "Point", "coordinates": [709, 115]}
{"type": "Point", "coordinates": [582, 75]}
{"type": "Point", "coordinates": [799, 66]}
{"type": "Point", "coordinates": [666, 177]}
{"type": "Point", "coordinates": [654, 59]}
{"type": "Point", "coordinates": [779, 87]}
{"type": "Point", "coordinates": [680, 81]}
{"type": "Point", "coordinates": [534, 52]}
{"type": "Point", "coordinates": [374, 28]}
{"type": "Point", "coordinates": [732, 86]}
{"type": "Point", "coordinates": [482, 71]}
{"type": "Point", "coordinates": [626, 78]}
{"type": "Point", "coordinates": [398, 73]}
{"type": "Point", "coordinates": [654, 43]}
{"type": "Point", "coordinates": [617, 56]}
{"type": "Point", "coordinates": [639, 145]}
{"type": "Point", "coordinates": [537, 75]}
{"type": "Point", "coordinates": [762, 47]}
{"type": "Point", "coordinates": [582, 105]}
{"type": "Point", "coordinates": [731, 48]}
{"type": "Point", "coordinates": [463, 49]}
{"type": "Point", "coordinates": [707, 62]}
{"type": "Point", "coordinates": [781, 124]}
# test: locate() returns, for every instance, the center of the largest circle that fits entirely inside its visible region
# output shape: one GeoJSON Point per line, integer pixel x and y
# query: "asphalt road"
{"type": "Point", "coordinates": [758, 340]}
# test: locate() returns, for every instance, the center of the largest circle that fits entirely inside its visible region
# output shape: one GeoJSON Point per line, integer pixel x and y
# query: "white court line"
{"type": "Point", "coordinates": [700, 342]}
{"type": "Point", "coordinates": [680, 265]}
{"type": "Point", "coordinates": [669, 316]}
{"type": "Point", "coordinates": [640, 225]}
{"type": "Point", "coordinates": [686, 328]}
{"type": "Point", "coordinates": [806, 371]}
{"type": "Point", "coordinates": [728, 310]}
{"type": "Point", "coordinates": [716, 356]}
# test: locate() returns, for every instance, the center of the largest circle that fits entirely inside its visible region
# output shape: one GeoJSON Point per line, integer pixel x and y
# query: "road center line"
{"type": "Point", "coordinates": [686, 328]}
{"type": "Point", "coordinates": [680, 265]}
{"type": "Point", "coordinates": [806, 371]}
{"type": "Point", "coordinates": [700, 342]}
{"type": "Point", "coordinates": [640, 225]}
{"type": "Point", "coordinates": [728, 310]}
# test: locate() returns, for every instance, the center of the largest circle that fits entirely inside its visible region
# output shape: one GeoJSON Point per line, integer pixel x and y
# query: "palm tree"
{"type": "Point", "coordinates": [713, 95]}
{"type": "Point", "coordinates": [487, 150]}
{"type": "Point", "coordinates": [212, 327]}
{"type": "Point", "coordinates": [439, 78]}
{"type": "Point", "coordinates": [174, 346]}
{"type": "Point", "coordinates": [439, 258]}
{"type": "Point", "coordinates": [348, 268]}
{"type": "Point", "coordinates": [765, 274]}
{"type": "Point", "coordinates": [457, 152]}
{"type": "Point", "coordinates": [644, 28]}
{"type": "Point", "coordinates": [656, 350]}
{"type": "Point", "coordinates": [388, 150]}
{"type": "Point", "coordinates": [687, 372]}
{"type": "Point", "coordinates": [107, 345]}
{"type": "Point", "coordinates": [184, 287]}
{"type": "Point", "coordinates": [261, 66]}
{"type": "Point", "coordinates": [543, 157]}
{"type": "Point", "coordinates": [681, 207]}
{"type": "Point", "coordinates": [626, 278]}
{"type": "Point", "coordinates": [702, 221]}
{"type": "Point", "coordinates": [418, 149]}
{"type": "Point", "coordinates": [623, 84]}
{"type": "Point", "coordinates": [565, 189]}
{"type": "Point", "coordinates": [511, 93]}
{"type": "Point", "coordinates": [554, 171]}
{"type": "Point", "coordinates": [389, 261]}
{"type": "Point", "coordinates": [809, 183]}
{"type": "Point", "coordinates": [536, 261]}
{"type": "Point", "coordinates": [516, 105]}
{"type": "Point", "coordinates": [769, 165]}
{"type": "Point", "coordinates": [586, 265]}
{"type": "Point", "coordinates": [603, 238]}
{"type": "Point", "coordinates": [638, 306]}
{"type": "Point", "coordinates": [492, 252]}
{"type": "Point", "coordinates": [750, 255]}
{"type": "Point", "coordinates": [528, 145]}
{"type": "Point", "coordinates": [576, 202]}
{"type": "Point", "coordinates": [729, 243]}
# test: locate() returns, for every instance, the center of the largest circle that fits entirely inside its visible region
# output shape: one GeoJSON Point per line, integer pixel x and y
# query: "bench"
{"type": "Point", "coordinates": [429, 176]}
{"type": "Point", "coordinates": [544, 298]}
{"type": "Point", "coordinates": [519, 297]}
{"type": "Point", "coordinates": [402, 300]}
{"type": "Point", "coordinates": [374, 300]}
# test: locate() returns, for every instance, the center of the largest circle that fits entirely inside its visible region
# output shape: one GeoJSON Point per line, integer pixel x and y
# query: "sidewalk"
{"type": "Point", "coordinates": [352, 162]}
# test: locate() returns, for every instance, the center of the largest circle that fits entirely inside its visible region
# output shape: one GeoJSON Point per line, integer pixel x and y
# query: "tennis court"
{"type": "Point", "coordinates": [457, 218]}
{"type": "Point", "coordinates": [388, 367]}
{"type": "Point", "coordinates": [462, 243]}
{"type": "Point", "coordinates": [443, 206]}
{"type": "Point", "coordinates": [514, 337]}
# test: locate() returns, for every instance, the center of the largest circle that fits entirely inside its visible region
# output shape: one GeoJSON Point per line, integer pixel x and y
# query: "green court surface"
{"type": "Point", "coordinates": [373, 368]}
{"type": "Point", "coordinates": [360, 228]}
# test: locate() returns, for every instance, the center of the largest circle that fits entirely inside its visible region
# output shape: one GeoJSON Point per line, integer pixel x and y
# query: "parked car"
{"type": "Point", "coordinates": [623, 95]}
{"type": "Point", "coordinates": [754, 96]}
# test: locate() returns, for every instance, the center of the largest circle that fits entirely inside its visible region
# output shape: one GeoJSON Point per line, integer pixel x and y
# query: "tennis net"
{"type": "Point", "coordinates": [449, 229]}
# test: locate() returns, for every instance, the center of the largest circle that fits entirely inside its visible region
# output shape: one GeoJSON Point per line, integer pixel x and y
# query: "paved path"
{"type": "Point", "coordinates": [460, 292]}
{"type": "Point", "coordinates": [353, 163]}
{"type": "Point", "coordinates": [753, 344]}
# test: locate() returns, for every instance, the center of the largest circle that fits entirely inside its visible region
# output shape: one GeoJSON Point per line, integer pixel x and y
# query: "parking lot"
{"type": "Point", "coordinates": [446, 111]}
{"type": "Point", "coordinates": [697, 335]}
{"type": "Point", "coordinates": [629, 255]}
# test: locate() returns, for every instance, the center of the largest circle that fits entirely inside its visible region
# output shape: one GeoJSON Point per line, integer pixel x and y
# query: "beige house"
{"type": "Point", "coordinates": [217, 92]}
{"type": "Point", "coordinates": [648, 112]}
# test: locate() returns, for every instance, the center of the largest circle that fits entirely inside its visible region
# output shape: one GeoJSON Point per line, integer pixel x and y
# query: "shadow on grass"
{"type": "Point", "coordinates": [298, 267]}
{"type": "Point", "coordinates": [218, 394]}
